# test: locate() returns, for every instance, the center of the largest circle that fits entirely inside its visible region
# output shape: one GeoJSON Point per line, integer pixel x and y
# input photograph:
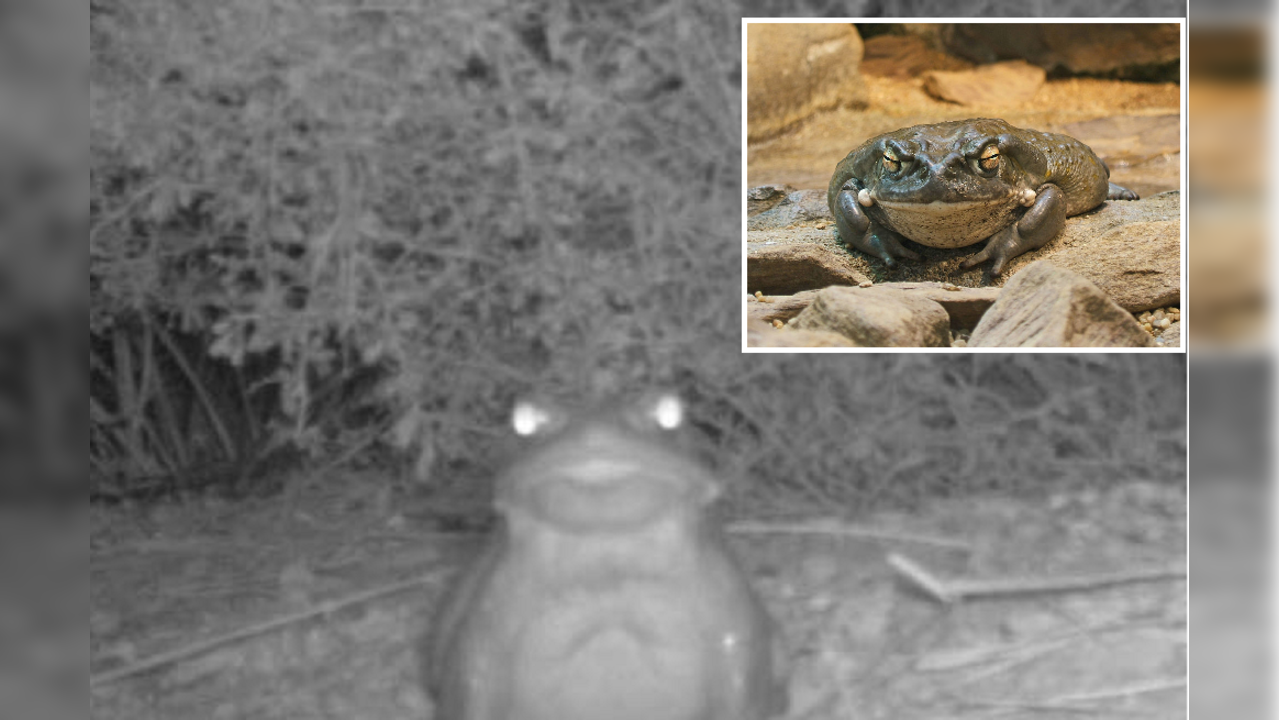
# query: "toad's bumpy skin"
{"type": "Point", "coordinates": [957, 183]}
{"type": "Point", "coordinates": [608, 592]}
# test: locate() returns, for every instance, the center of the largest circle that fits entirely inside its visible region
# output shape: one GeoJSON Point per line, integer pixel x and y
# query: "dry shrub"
{"type": "Point", "coordinates": [468, 199]}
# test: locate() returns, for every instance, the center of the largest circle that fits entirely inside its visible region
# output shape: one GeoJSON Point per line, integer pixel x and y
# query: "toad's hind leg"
{"type": "Point", "coordinates": [857, 230]}
{"type": "Point", "coordinates": [1041, 223]}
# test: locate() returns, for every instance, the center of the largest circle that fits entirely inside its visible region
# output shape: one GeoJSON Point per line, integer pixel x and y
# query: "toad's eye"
{"type": "Point", "coordinates": [891, 163]}
{"type": "Point", "coordinates": [668, 412]}
{"type": "Point", "coordinates": [989, 158]}
{"type": "Point", "coordinates": [529, 419]}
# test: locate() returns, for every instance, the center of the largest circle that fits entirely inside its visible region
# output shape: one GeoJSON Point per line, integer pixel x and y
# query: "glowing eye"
{"type": "Point", "coordinates": [528, 419]}
{"type": "Point", "coordinates": [989, 159]}
{"type": "Point", "coordinates": [668, 412]}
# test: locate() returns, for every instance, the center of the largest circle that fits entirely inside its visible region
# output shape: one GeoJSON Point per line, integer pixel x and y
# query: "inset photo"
{"type": "Point", "coordinates": [948, 185]}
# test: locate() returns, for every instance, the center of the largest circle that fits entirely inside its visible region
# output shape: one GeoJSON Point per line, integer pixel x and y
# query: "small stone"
{"type": "Point", "coordinates": [1164, 323]}
{"type": "Point", "coordinates": [1148, 327]}
{"type": "Point", "coordinates": [1159, 315]}
{"type": "Point", "coordinates": [865, 284]}
{"type": "Point", "coordinates": [779, 324]}
{"type": "Point", "coordinates": [1144, 317]}
{"type": "Point", "coordinates": [959, 342]}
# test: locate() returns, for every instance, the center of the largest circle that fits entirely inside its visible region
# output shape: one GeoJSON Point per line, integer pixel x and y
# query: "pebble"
{"type": "Point", "coordinates": [865, 284]}
{"type": "Point", "coordinates": [1160, 319]}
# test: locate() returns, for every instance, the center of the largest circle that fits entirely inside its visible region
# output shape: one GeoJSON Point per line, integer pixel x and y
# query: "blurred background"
{"type": "Point", "coordinates": [1232, 345]}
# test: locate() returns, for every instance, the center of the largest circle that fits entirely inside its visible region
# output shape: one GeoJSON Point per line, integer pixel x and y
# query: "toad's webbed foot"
{"type": "Point", "coordinates": [1118, 192]}
{"type": "Point", "coordinates": [857, 230]}
{"type": "Point", "coordinates": [1041, 223]}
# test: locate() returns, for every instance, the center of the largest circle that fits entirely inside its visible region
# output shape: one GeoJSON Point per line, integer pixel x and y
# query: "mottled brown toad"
{"type": "Point", "coordinates": [953, 184]}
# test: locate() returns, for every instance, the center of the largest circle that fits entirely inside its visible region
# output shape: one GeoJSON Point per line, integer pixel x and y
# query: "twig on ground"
{"type": "Point", "coordinates": [325, 608]}
{"type": "Point", "coordinates": [1078, 702]}
{"type": "Point", "coordinates": [955, 590]}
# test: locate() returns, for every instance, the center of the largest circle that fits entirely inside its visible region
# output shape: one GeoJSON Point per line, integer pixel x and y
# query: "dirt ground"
{"type": "Point", "coordinates": [862, 641]}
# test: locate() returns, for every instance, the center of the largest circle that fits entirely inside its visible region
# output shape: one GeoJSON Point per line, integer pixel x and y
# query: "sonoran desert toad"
{"type": "Point", "coordinates": [954, 184]}
{"type": "Point", "coordinates": [608, 590]}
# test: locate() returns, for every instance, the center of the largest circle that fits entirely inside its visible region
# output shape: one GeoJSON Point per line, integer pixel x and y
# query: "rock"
{"type": "Point", "coordinates": [1005, 83]}
{"type": "Point", "coordinates": [796, 207]}
{"type": "Point", "coordinates": [877, 319]}
{"type": "Point", "coordinates": [1128, 50]}
{"type": "Point", "coordinates": [761, 334]}
{"type": "Point", "coordinates": [1046, 306]}
{"type": "Point", "coordinates": [1143, 151]}
{"type": "Point", "coordinates": [778, 307]}
{"type": "Point", "coordinates": [1138, 265]}
{"type": "Point", "coordinates": [796, 69]}
{"type": "Point", "coordinates": [788, 268]}
{"type": "Point", "coordinates": [964, 306]}
{"type": "Point", "coordinates": [1170, 337]}
{"type": "Point", "coordinates": [765, 197]}
{"type": "Point", "coordinates": [905, 56]}
{"type": "Point", "coordinates": [1129, 139]}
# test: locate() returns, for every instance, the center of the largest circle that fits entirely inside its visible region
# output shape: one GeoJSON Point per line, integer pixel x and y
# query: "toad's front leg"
{"type": "Point", "coordinates": [1041, 223]}
{"type": "Point", "coordinates": [857, 230]}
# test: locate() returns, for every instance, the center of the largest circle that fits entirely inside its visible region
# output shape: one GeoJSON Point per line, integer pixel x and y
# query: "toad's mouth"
{"type": "Point", "coordinates": [938, 207]}
{"type": "Point", "coordinates": [943, 224]}
{"type": "Point", "coordinates": [1021, 196]}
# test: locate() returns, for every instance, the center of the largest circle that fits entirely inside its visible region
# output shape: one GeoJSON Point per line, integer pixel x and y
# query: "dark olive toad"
{"type": "Point", "coordinates": [608, 590]}
{"type": "Point", "coordinates": [954, 184]}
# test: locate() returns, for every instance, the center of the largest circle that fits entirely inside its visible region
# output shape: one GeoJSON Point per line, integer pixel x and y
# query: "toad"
{"type": "Point", "coordinates": [954, 184]}
{"type": "Point", "coordinates": [607, 591]}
